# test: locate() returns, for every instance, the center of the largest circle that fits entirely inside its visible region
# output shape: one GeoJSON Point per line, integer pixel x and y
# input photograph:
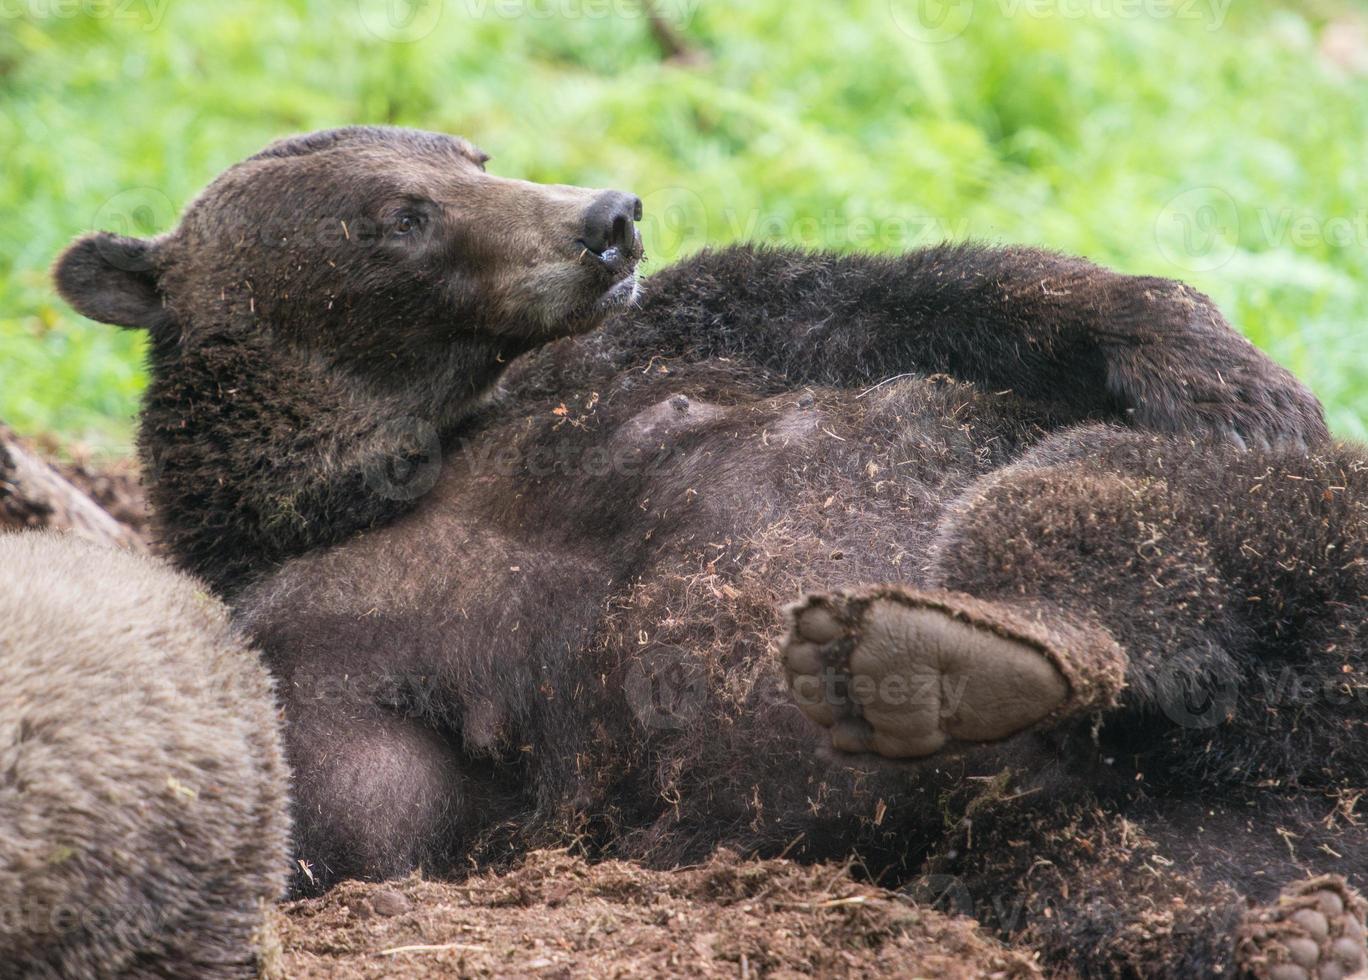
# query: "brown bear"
{"type": "Point", "coordinates": [520, 580]}
{"type": "Point", "coordinates": [144, 813]}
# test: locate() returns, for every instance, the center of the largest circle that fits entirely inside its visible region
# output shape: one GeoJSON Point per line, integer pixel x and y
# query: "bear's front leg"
{"type": "Point", "coordinates": [1088, 342]}
{"type": "Point", "coordinates": [1152, 888]}
{"type": "Point", "coordinates": [905, 674]}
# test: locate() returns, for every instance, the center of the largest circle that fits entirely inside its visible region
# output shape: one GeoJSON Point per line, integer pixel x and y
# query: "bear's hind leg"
{"type": "Point", "coordinates": [375, 797]}
{"type": "Point", "coordinates": [1163, 889]}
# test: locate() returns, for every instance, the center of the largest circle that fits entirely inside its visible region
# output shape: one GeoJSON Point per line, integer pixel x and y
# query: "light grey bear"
{"type": "Point", "coordinates": [143, 793]}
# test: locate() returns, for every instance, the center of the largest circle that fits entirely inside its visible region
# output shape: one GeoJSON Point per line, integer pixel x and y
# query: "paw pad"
{"type": "Point", "coordinates": [1315, 932]}
{"type": "Point", "coordinates": [890, 675]}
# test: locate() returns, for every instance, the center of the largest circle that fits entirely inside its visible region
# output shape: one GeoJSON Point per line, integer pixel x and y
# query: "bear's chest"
{"type": "Point", "coordinates": [543, 525]}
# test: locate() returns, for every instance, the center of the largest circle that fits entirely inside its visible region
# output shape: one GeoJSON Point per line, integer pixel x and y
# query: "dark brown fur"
{"type": "Point", "coordinates": [557, 619]}
{"type": "Point", "coordinates": [383, 337]}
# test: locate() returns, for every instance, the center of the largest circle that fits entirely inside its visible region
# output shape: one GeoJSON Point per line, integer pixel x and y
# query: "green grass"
{"type": "Point", "coordinates": [1209, 144]}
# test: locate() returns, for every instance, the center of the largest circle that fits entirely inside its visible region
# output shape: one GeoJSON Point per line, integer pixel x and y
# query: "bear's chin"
{"type": "Point", "coordinates": [590, 312]}
{"type": "Point", "coordinates": [622, 293]}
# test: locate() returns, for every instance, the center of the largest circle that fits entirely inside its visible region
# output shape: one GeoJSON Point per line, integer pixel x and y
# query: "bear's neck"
{"type": "Point", "coordinates": [253, 455]}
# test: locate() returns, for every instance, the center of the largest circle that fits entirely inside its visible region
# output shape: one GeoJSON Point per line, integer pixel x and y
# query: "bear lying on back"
{"type": "Point", "coordinates": [548, 614]}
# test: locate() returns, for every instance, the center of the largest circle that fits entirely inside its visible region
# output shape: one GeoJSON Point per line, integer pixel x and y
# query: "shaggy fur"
{"type": "Point", "coordinates": [143, 804]}
{"type": "Point", "coordinates": [1232, 590]}
{"type": "Point", "coordinates": [556, 620]}
{"type": "Point", "coordinates": [380, 277]}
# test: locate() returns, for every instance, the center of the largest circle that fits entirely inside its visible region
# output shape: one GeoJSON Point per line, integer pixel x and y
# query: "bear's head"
{"type": "Point", "coordinates": [328, 312]}
{"type": "Point", "coordinates": [365, 245]}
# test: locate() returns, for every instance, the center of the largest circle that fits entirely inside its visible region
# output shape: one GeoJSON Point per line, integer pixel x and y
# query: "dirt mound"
{"type": "Point", "coordinates": [557, 916]}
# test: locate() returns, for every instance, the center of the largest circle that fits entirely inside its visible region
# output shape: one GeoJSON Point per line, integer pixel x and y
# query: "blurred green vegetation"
{"type": "Point", "coordinates": [1201, 139]}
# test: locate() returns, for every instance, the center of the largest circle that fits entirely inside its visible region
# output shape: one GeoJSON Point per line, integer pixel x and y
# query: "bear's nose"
{"type": "Point", "coordinates": [610, 222]}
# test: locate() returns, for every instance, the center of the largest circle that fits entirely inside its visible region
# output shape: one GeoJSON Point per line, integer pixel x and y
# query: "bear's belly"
{"type": "Point", "coordinates": [544, 528]}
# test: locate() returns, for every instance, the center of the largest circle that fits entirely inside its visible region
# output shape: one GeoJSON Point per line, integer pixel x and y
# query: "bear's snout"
{"type": "Point", "coordinates": [610, 231]}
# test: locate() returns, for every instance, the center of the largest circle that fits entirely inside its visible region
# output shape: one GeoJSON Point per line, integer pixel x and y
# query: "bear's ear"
{"type": "Point", "coordinates": [113, 279]}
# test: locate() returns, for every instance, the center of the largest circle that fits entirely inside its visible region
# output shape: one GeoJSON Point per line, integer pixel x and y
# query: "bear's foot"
{"type": "Point", "coordinates": [1314, 932]}
{"type": "Point", "coordinates": [905, 676]}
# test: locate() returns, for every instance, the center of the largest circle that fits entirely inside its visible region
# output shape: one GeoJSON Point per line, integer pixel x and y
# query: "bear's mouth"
{"type": "Point", "coordinates": [572, 294]}
{"type": "Point", "coordinates": [615, 260]}
{"type": "Point", "coordinates": [619, 264]}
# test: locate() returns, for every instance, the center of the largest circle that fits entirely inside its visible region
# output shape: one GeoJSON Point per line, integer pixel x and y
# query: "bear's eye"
{"type": "Point", "coordinates": [406, 224]}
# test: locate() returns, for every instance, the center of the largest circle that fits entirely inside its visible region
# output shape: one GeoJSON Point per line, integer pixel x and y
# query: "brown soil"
{"type": "Point", "coordinates": [557, 916]}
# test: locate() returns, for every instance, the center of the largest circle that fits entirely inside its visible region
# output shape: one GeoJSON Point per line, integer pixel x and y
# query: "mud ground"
{"type": "Point", "coordinates": [556, 916]}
